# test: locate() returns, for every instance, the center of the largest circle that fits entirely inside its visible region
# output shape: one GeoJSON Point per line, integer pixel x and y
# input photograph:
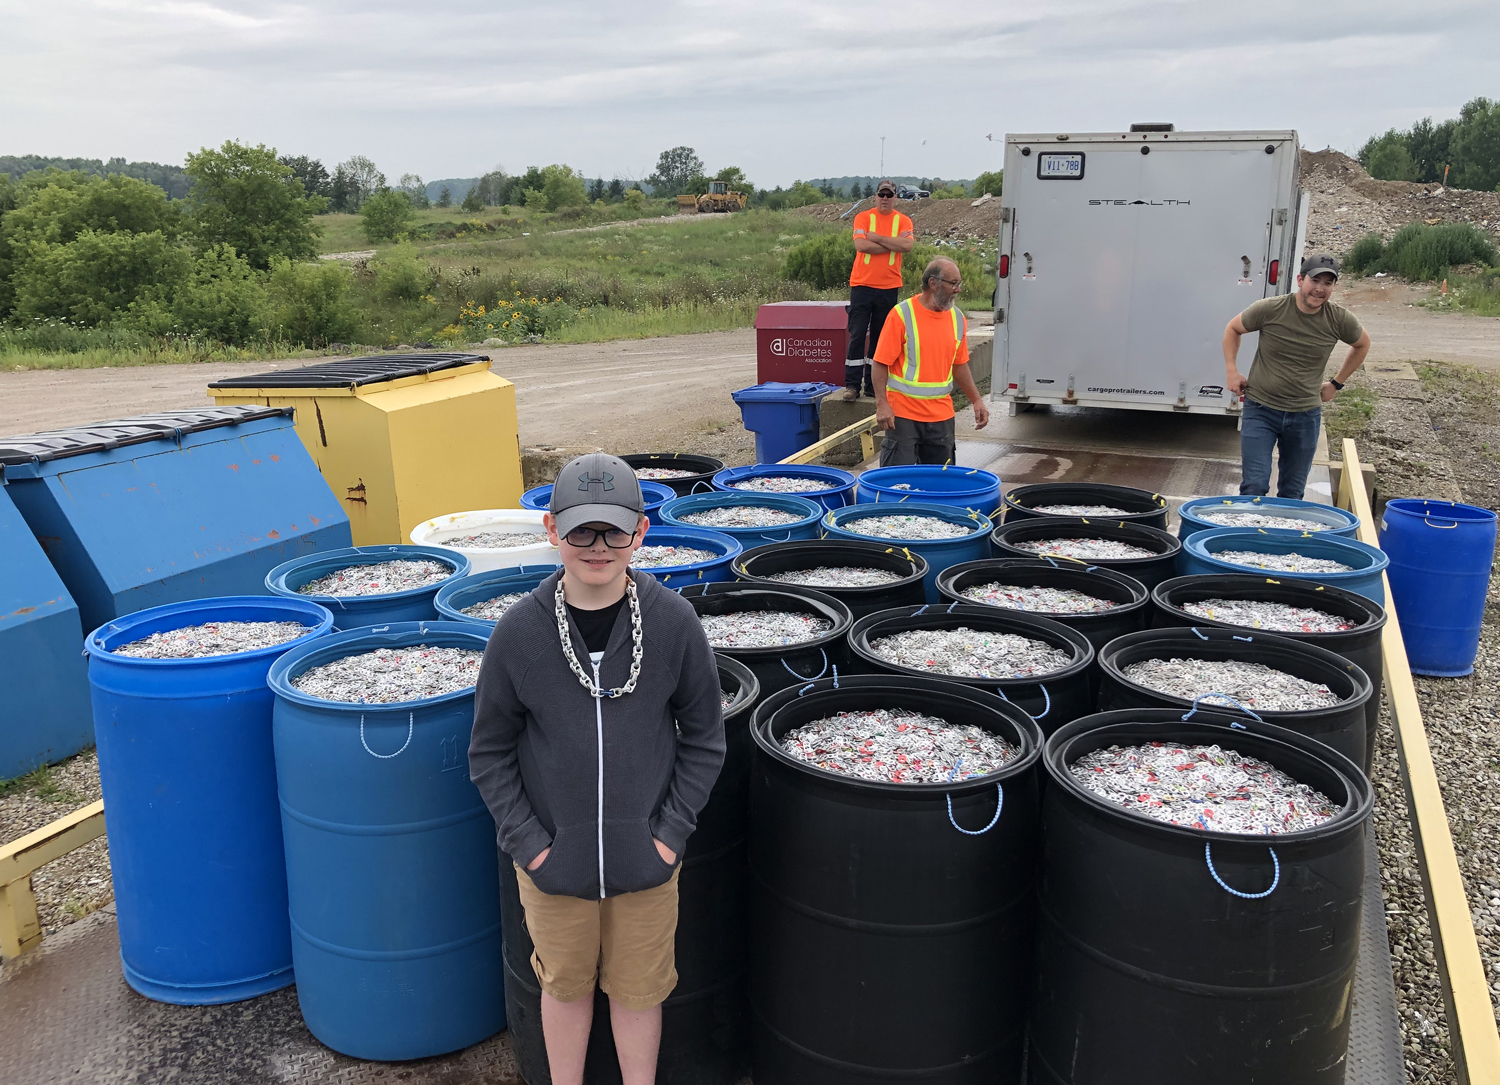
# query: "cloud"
{"type": "Point", "coordinates": [784, 89]}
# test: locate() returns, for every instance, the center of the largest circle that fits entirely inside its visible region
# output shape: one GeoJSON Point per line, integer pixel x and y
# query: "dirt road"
{"type": "Point", "coordinates": [658, 394]}
{"type": "Point", "coordinates": [1401, 331]}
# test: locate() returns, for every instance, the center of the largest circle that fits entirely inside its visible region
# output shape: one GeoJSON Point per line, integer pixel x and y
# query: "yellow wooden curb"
{"type": "Point", "coordinates": [20, 929]}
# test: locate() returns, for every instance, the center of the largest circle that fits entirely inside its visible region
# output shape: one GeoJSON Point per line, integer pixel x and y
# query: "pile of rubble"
{"type": "Point", "coordinates": [1348, 203]}
{"type": "Point", "coordinates": [935, 220]}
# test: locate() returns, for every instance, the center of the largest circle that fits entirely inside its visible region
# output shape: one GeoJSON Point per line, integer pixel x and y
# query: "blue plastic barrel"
{"type": "Point", "coordinates": [939, 553]}
{"type": "Point", "coordinates": [784, 417]}
{"type": "Point", "coordinates": [47, 716]}
{"type": "Point", "coordinates": [702, 572]}
{"type": "Point", "coordinates": [1441, 553]}
{"type": "Point", "coordinates": [185, 759]}
{"type": "Point", "coordinates": [837, 491]}
{"type": "Point", "coordinates": [466, 591]}
{"type": "Point", "coordinates": [939, 484]}
{"type": "Point", "coordinates": [805, 527]}
{"type": "Point", "coordinates": [390, 860]}
{"type": "Point", "coordinates": [1340, 523]}
{"type": "Point", "coordinates": [353, 611]}
{"type": "Point", "coordinates": [1197, 557]}
{"type": "Point", "coordinates": [656, 494]}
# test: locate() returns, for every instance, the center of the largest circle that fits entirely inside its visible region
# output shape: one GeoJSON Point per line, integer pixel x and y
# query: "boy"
{"type": "Point", "coordinates": [598, 736]}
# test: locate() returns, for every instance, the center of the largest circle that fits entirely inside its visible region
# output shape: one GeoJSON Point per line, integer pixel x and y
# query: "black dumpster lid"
{"type": "Point", "coordinates": [353, 372]}
{"type": "Point", "coordinates": [102, 436]}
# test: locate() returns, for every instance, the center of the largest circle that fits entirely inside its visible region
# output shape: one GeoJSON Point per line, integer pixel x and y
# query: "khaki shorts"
{"type": "Point", "coordinates": [627, 944]}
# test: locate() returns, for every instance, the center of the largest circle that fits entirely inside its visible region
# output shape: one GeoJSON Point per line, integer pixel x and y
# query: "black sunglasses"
{"type": "Point", "coordinates": [885, 192]}
{"type": "Point", "coordinates": [613, 537]}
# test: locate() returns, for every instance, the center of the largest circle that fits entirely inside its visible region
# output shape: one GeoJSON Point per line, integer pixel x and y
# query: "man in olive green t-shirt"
{"type": "Point", "coordinates": [1285, 392]}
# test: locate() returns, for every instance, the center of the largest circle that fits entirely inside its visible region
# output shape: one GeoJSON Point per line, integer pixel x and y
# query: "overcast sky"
{"type": "Point", "coordinates": [785, 89]}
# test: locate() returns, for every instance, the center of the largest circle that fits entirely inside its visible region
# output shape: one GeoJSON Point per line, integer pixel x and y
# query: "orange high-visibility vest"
{"type": "Point", "coordinates": [931, 380]}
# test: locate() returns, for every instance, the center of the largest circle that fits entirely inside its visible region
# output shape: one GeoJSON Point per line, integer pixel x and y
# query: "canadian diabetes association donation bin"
{"type": "Point", "coordinates": [165, 507]}
{"type": "Point", "coordinates": [801, 341]}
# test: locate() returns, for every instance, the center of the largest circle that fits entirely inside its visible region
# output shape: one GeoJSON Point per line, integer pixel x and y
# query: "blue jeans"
{"type": "Point", "coordinates": [1262, 428]}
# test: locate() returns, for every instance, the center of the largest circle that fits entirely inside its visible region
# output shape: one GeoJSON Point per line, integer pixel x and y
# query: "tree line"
{"type": "Point", "coordinates": [1463, 151]}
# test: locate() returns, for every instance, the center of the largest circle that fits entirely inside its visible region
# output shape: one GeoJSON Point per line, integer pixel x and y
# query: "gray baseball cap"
{"type": "Point", "coordinates": [1320, 264]}
{"type": "Point", "coordinates": [597, 488]}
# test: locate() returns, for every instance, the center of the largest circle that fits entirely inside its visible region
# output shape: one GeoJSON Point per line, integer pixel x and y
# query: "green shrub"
{"type": "Point", "coordinates": [822, 262]}
{"type": "Point", "coordinates": [244, 197]}
{"type": "Point", "coordinates": [223, 299]}
{"type": "Point", "coordinates": [561, 188]}
{"type": "Point", "coordinates": [401, 276]}
{"type": "Point", "coordinates": [1422, 252]}
{"type": "Point", "coordinates": [990, 181]}
{"type": "Point", "coordinates": [386, 215]}
{"type": "Point", "coordinates": [1366, 255]}
{"type": "Point", "coordinates": [310, 303]}
{"type": "Point", "coordinates": [976, 283]}
{"type": "Point", "coordinates": [97, 275]}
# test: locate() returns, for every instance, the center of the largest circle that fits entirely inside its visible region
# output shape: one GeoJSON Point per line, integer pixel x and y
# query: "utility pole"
{"type": "Point", "coordinates": [882, 156]}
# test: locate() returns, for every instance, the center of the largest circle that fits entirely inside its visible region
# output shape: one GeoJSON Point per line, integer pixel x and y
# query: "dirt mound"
{"type": "Point", "coordinates": [935, 220]}
{"type": "Point", "coordinates": [1348, 203]}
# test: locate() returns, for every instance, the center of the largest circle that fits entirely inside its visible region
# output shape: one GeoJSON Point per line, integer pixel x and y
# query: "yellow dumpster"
{"type": "Point", "coordinates": [399, 438]}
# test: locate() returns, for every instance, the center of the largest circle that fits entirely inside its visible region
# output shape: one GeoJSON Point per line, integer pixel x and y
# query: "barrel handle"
{"type": "Point", "coordinates": [805, 677]}
{"type": "Point", "coordinates": [1439, 527]}
{"type": "Point", "coordinates": [999, 805]}
{"type": "Point", "coordinates": [787, 539]}
{"type": "Point", "coordinates": [1208, 855]}
{"type": "Point", "coordinates": [411, 726]}
{"type": "Point", "coordinates": [701, 482]}
{"type": "Point", "coordinates": [1200, 636]}
{"type": "Point", "coordinates": [1226, 696]}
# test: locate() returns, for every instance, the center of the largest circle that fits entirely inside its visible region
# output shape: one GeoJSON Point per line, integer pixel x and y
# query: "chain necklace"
{"type": "Point", "coordinates": [561, 609]}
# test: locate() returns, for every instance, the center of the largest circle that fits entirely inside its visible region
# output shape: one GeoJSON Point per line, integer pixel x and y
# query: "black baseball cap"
{"type": "Point", "coordinates": [1320, 264]}
{"type": "Point", "coordinates": [597, 488]}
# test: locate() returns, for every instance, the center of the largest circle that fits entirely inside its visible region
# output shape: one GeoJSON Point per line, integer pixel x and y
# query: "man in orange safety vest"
{"type": "Point", "coordinates": [882, 236]}
{"type": "Point", "coordinates": [922, 355]}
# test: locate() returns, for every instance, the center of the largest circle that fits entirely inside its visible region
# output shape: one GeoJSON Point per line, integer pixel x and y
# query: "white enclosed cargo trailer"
{"type": "Point", "coordinates": [1123, 255]}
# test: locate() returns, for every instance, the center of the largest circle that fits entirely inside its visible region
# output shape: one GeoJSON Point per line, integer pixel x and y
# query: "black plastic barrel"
{"type": "Point", "coordinates": [1140, 506]}
{"type": "Point", "coordinates": [1100, 627]}
{"type": "Point", "coordinates": [703, 469]}
{"type": "Point", "coordinates": [891, 924]}
{"type": "Point", "coordinates": [1051, 699]}
{"type": "Point", "coordinates": [757, 565]}
{"type": "Point", "coordinates": [704, 1019]}
{"type": "Point", "coordinates": [1341, 726]}
{"type": "Point", "coordinates": [1151, 571]}
{"type": "Point", "coordinates": [1154, 966]}
{"type": "Point", "coordinates": [781, 665]}
{"type": "Point", "coordinates": [1360, 645]}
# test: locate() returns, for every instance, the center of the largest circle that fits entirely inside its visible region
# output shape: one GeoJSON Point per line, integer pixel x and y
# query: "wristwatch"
{"type": "Point", "coordinates": [1337, 387]}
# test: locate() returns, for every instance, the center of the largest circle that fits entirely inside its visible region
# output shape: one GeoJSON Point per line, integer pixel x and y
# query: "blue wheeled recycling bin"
{"type": "Point", "coordinates": [46, 716]}
{"type": "Point", "coordinates": [189, 779]}
{"type": "Point", "coordinates": [783, 417]}
{"type": "Point", "coordinates": [1441, 553]}
{"type": "Point", "coordinates": [165, 507]}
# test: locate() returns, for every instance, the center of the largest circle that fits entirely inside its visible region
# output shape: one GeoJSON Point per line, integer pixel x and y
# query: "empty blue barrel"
{"type": "Point", "coordinates": [190, 803]}
{"type": "Point", "coordinates": [467, 591]}
{"type": "Point", "coordinates": [1440, 554]}
{"type": "Point", "coordinates": [656, 494]}
{"type": "Point", "coordinates": [1335, 521]}
{"type": "Point", "coordinates": [828, 486]}
{"type": "Point", "coordinates": [805, 526]}
{"type": "Point", "coordinates": [941, 484]}
{"type": "Point", "coordinates": [390, 859]}
{"type": "Point", "coordinates": [939, 553]}
{"type": "Point", "coordinates": [1365, 563]}
{"type": "Point", "coordinates": [724, 549]}
{"type": "Point", "coordinates": [353, 611]}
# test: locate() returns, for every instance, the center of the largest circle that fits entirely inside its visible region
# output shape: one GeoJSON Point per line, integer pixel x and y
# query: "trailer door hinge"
{"type": "Point", "coordinates": [1281, 214]}
{"type": "Point", "coordinates": [1000, 316]}
{"type": "Point", "coordinates": [1005, 214]}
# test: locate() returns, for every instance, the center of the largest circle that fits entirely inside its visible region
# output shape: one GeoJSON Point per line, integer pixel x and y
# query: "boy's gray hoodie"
{"type": "Point", "coordinates": [595, 780]}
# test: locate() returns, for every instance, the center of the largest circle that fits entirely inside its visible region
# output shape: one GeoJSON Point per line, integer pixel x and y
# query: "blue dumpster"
{"type": "Point", "coordinates": [185, 760]}
{"type": "Point", "coordinates": [1440, 552]}
{"type": "Point", "coordinates": [46, 717]}
{"type": "Point", "coordinates": [164, 507]}
{"type": "Point", "coordinates": [783, 417]}
{"type": "Point", "coordinates": [392, 872]}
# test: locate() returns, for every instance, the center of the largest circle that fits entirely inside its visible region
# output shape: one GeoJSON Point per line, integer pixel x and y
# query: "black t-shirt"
{"type": "Point", "coordinates": [595, 625]}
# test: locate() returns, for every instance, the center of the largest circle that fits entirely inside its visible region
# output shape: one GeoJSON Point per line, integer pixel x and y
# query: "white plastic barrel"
{"type": "Point", "coordinates": [449, 530]}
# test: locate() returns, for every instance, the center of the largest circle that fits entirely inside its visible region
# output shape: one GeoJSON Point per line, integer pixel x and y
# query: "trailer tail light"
{"type": "Point", "coordinates": [1275, 271]}
{"type": "Point", "coordinates": [1005, 266]}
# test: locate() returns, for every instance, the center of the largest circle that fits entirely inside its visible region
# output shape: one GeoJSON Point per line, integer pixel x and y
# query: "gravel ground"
{"type": "Point", "coordinates": [78, 883]}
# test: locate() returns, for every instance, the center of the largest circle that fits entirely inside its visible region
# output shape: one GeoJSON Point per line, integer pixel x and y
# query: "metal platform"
{"type": "Point", "coordinates": [70, 1018]}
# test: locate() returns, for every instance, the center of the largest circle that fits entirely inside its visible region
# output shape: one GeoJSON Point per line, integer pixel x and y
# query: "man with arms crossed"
{"type": "Point", "coordinates": [1285, 392]}
{"type": "Point", "coordinates": [598, 736]}
{"type": "Point", "coordinates": [882, 237]}
{"type": "Point", "coordinates": [923, 353]}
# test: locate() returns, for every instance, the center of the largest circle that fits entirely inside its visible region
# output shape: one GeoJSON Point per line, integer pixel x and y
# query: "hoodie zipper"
{"type": "Point", "coordinates": [599, 735]}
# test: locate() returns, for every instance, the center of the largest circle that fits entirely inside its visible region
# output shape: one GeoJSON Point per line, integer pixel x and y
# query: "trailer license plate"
{"type": "Point", "coordinates": [1059, 167]}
